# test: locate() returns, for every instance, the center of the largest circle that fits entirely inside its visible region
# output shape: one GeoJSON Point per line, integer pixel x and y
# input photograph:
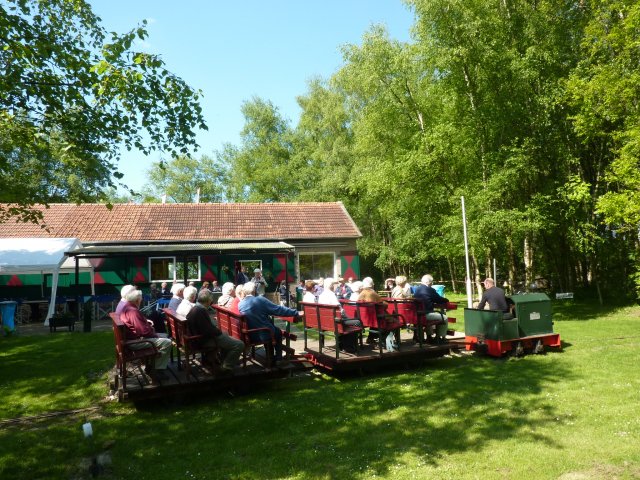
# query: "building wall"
{"type": "Point", "coordinates": [111, 273]}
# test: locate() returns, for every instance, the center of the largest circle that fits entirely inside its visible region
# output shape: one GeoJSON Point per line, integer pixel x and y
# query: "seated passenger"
{"type": "Point", "coordinates": [496, 299]}
{"type": "Point", "coordinates": [368, 294]}
{"type": "Point", "coordinates": [402, 288]}
{"type": "Point", "coordinates": [154, 291]}
{"type": "Point", "coordinates": [342, 290]}
{"type": "Point", "coordinates": [165, 291]}
{"type": "Point", "coordinates": [235, 303]}
{"type": "Point", "coordinates": [228, 294]}
{"type": "Point", "coordinates": [123, 297]}
{"type": "Point", "coordinates": [429, 297]}
{"type": "Point", "coordinates": [258, 311]}
{"type": "Point", "coordinates": [189, 300]}
{"type": "Point", "coordinates": [177, 291]}
{"type": "Point", "coordinates": [328, 297]}
{"type": "Point", "coordinates": [356, 288]}
{"type": "Point", "coordinates": [389, 285]}
{"type": "Point", "coordinates": [309, 288]}
{"type": "Point", "coordinates": [200, 323]}
{"type": "Point", "coordinates": [139, 327]}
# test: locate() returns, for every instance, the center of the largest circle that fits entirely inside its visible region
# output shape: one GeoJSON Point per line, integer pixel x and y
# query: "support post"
{"type": "Point", "coordinates": [466, 255]}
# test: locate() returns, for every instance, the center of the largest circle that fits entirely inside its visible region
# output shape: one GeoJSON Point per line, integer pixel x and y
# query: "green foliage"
{"type": "Point", "coordinates": [181, 178]}
{"type": "Point", "coordinates": [262, 170]}
{"type": "Point", "coordinates": [71, 95]}
{"type": "Point", "coordinates": [450, 418]}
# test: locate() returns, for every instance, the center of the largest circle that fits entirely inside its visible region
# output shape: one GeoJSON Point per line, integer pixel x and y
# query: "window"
{"type": "Point", "coordinates": [251, 265]}
{"type": "Point", "coordinates": [167, 269]}
{"type": "Point", "coordinates": [162, 269]}
{"type": "Point", "coordinates": [316, 265]}
{"type": "Point", "coordinates": [193, 269]}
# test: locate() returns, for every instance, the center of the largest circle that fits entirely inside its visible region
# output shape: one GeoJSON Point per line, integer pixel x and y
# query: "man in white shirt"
{"type": "Point", "coordinates": [190, 294]}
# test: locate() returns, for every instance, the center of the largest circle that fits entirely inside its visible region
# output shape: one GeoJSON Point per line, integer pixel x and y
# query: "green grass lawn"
{"type": "Point", "coordinates": [571, 415]}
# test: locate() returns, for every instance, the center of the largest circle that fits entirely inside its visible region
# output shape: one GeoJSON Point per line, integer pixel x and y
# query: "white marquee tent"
{"type": "Point", "coordinates": [22, 256]}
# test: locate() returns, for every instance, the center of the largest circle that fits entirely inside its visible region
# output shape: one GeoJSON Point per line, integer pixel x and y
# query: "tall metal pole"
{"type": "Point", "coordinates": [466, 255]}
{"type": "Point", "coordinates": [495, 272]}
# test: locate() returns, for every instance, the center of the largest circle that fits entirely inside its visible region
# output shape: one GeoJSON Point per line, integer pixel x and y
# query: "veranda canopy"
{"type": "Point", "coordinates": [24, 256]}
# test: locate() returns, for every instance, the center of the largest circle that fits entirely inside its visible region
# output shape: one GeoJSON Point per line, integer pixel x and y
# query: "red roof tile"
{"type": "Point", "coordinates": [190, 221]}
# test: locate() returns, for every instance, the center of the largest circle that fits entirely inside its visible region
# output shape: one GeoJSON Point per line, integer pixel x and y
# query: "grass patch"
{"type": "Point", "coordinates": [569, 415]}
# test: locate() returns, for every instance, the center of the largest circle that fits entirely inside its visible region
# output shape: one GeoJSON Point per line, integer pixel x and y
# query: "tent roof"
{"type": "Point", "coordinates": [36, 255]}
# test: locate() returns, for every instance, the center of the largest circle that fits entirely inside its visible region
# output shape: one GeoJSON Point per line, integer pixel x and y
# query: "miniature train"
{"type": "Point", "coordinates": [530, 329]}
{"type": "Point", "coordinates": [486, 331]}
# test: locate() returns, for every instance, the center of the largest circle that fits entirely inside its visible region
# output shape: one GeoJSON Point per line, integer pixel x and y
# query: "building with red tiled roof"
{"type": "Point", "coordinates": [145, 243]}
{"type": "Point", "coordinates": [95, 223]}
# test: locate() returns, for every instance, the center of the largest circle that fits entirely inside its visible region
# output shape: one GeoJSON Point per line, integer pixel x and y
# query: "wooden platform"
{"type": "Point", "coordinates": [369, 359]}
{"type": "Point", "coordinates": [140, 387]}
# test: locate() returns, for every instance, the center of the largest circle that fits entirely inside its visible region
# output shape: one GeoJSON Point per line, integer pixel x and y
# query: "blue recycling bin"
{"type": "Point", "coordinates": [439, 289]}
{"type": "Point", "coordinates": [8, 315]}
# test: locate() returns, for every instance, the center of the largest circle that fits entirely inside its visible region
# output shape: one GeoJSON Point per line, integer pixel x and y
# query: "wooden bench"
{"type": "Point", "coordinates": [326, 320]}
{"type": "Point", "coordinates": [379, 320]}
{"type": "Point", "coordinates": [126, 354]}
{"type": "Point", "coordinates": [235, 325]}
{"type": "Point", "coordinates": [185, 342]}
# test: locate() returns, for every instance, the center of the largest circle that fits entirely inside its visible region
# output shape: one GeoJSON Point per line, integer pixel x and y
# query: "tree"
{"type": "Point", "coordinates": [603, 93]}
{"type": "Point", "coordinates": [262, 168]}
{"type": "Point", "coordinates": [181, 178]}
{"type": "Point", "coordinates": [71, 95]}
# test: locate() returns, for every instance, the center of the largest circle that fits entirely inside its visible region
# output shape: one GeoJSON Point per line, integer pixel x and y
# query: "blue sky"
{"type": "Point", "coordinates": [234, 50]}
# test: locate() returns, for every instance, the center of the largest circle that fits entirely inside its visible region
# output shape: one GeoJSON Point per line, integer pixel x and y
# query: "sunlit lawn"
{"type": "Point", "coordinates": [570, 415]}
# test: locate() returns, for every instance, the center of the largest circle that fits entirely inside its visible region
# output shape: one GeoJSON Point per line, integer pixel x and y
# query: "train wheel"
{"type": "Point", "coordinates": [539, 348]}
{"type": "Point", "coordinates": [519, 351]}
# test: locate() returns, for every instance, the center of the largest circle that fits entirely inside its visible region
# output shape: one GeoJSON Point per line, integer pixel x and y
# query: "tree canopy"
{"type": "Point", "coordinates": [71, 95]}
{"type": "Point", "coordinates": [528, 109]}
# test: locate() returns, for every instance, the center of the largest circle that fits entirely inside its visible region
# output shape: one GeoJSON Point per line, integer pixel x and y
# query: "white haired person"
{"type": "Point", "coordinates": [228, 294]}
{"type": "Point", "coordinates": [138, 327]}
{"type": "Point", "coordinates": [356, 288]}
{"type": "Point", "coordinates": [328, 297]}
{"type": "Point", "coordinates": [258, 311]}
{"type": "Point", "coordinates": [402, 288]}
{"type": "Point", "coordinates": [189, 300]}
{"type": "Point", "coordinates": [177, 291]}
{"type": "Point", "coordinates": [429, 297]}
{"type": "Point", "coordinates": [237, 299]}
{"type": "Point", "coordinates": [368, 294]}
{"type": "Point", "coordinates": [123, 297]}
{"type": "Point", "coordinates": [260, 283]}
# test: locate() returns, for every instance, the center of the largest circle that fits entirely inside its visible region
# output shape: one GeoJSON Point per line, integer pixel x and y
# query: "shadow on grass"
{"type": "Point", "coordinates": [53, 369]}
{"type": "Point", "coordinates": [309, 427]}
{"type": "Point", "coordinates": [327, 428]}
